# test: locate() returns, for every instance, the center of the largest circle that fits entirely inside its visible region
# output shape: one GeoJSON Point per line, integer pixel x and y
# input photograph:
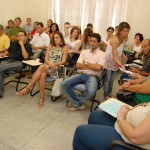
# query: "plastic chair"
{"type": "Point", "coordinates": [122, 144]}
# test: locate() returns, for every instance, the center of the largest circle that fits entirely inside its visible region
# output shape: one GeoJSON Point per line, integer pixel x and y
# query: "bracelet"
{"type": "Point", "coordinates": [121, 65]}
{"type": "Point", "coordinates": [120, 119]}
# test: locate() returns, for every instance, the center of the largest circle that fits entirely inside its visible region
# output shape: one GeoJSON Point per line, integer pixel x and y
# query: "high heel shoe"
{"type": "Point", "coordinates": [40, 104]}
{"type": "Point", "coordinates": [23, 92]}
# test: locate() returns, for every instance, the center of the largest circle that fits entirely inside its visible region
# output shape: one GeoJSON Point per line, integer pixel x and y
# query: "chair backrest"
{"type": "Point", "coordinates": [101, 79]}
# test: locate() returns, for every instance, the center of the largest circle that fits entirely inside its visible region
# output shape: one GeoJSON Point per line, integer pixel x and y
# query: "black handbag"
{"type": "Point", "coordinates": [125, 95]}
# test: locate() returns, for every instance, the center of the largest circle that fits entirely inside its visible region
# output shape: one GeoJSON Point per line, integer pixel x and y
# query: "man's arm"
{"type": "Point", "coordinates": [24, 51]}
{"type": "Point", "coordinates": [81, 66]}
{"type": "Point", "coordinates": [95, 67]}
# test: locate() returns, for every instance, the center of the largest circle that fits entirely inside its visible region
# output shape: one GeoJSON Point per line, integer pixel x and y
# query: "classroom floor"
{"type": "Point", "coordinates": [23, 126]}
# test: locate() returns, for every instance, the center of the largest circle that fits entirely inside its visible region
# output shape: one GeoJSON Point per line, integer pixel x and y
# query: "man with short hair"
{"type": "Point", "coordinates": [4, 41]}
{"type": "Point", "coordinates": [13, 33]}
{"type": "Point", "coordinates": [89, 65]}
{"type": "Point", "coordinates": [18, 51]}
{"type": "Point", "coordinates": [40, 40]}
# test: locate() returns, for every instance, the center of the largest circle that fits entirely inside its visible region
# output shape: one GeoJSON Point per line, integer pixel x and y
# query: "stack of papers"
{"type": "Point", "coordinates": [126, 71]}
{"type": "Point", "coordinates": [112, 106]}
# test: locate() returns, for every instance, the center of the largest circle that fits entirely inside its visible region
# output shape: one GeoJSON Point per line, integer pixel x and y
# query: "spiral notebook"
{"type": "Point", "coordinates": [112, 106]}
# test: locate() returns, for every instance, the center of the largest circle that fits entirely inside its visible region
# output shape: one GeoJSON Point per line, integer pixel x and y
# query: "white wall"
{"type": "Point", "coordinates": [38, 11]}
{"type": "Point", "coordinates": [141, 19]}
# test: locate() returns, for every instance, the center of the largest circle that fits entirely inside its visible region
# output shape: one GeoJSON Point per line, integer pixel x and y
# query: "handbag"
{"type": "Point", "coordinates": [125, 95]}
{"type": "Point", "coordinates": [56, 90]}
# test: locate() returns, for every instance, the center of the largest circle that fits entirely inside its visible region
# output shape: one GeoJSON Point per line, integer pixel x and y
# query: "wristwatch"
{"type": "Point", "coordinates": [85, 63]}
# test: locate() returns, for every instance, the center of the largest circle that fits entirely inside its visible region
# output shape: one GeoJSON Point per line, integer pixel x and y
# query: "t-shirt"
{"type": "Point", "coordinates": [98, 57]}
{"type": "Point", "coordinates": [71, 45]}
{"type": "Point", "coordinates": [15, 51]}
{"type": "Point", "coordinates": [14, 31]}
{"type": "Point", "coordinates": [28, 29]}
{"type": "Point", "coordinates": [40, 40]}
{"type": "Point", "coordinates": [4, 42]}
{"type": "Point", "coordinates": [135, 117]}
{"type": "Point", "coordinates": [146, 64]}
{"type": "Point", "coordinates": [136, 48]}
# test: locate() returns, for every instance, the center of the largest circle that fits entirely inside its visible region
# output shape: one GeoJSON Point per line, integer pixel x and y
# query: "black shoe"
{"type": "Point", "coordinates": [1, 96]}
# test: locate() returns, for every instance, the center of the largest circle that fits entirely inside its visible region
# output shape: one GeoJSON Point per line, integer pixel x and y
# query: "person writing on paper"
{"type": "Point", "coordinates": [114, 53]}
{"type": "Point", "coordinates": [131, 126]}
{"type": "Point", "coordinates": [145, 70]}
{"type": "Point", "coordinates": [141, 89]}
{"type": "Point", "coordinates": [56, 55]}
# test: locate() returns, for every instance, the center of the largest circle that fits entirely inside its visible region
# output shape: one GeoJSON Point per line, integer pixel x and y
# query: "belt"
{"type": "Point", "coordinates": [88, 74]}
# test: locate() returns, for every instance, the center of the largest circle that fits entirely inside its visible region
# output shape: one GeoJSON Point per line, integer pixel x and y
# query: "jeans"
{"type": "Point", "coordinates": [91, 86]}
{"type": "Point", "coordinates": [98, 134]}
{"type": "Point", "coordinates": [108, 82]}
{"type": "Point", "coordinates": [6, 66]}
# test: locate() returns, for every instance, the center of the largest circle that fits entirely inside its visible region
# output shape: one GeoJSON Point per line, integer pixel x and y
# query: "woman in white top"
{"type": "Point", "coordinates": [73, 43]}
{"type": "Point", "coordinates": [72, 39]}
{"type": "Point", "coordinates": [110, 32]}
{"type": "Point", "coordinates": [49, 22]}
{"type": "Point", "coordinates": [131, 126]}
{"type": "Point", "coordinates": [114, 54]}
{"type": "Point", "coordinates": [136, 45]}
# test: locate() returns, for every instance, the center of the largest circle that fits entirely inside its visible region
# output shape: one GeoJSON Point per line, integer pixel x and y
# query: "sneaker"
{"type": "Point", "coordinates": [88, 103]}
{"type": "Point", "coordinates": [106, 98]}
{"type": "Point", "coordinates": [82, 107]}
{"type": "Point", "coordinates": [111, 96]}
{"type": "Point", "coordinates": [69, 105]}
{"type": "Point", "coordinates": [22, 75]}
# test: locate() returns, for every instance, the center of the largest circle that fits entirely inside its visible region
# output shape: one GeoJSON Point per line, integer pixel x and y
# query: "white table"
{"type": "Point", "coordinates": [32, 62]}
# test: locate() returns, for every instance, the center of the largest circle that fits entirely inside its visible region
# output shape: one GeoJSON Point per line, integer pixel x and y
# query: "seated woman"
{"type": "Point", "coordinates": [85, 39]}
{"type": "Point", "coordinates": [140, 88]}
{"type": "Point", "coordinates": [136, 45]}
{"type": "Point", "coordinates": [9, 26]}
{"type": "Point", "coordinates": [110, 32]}
{"type": "Point", "coordinates": [72, 42]}
{"type": "Point", "coordinates": [49, 22]}
{"type": "Point", "coordinates": [131, 126]}
{"type": "Point", "coordinates": [56, 55]}
{"type": "Point", "coordinates": [53, 28]}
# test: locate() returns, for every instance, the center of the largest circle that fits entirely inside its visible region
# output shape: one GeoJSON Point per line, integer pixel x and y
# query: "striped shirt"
{"type": "Point", "coordinates": [146, 64]}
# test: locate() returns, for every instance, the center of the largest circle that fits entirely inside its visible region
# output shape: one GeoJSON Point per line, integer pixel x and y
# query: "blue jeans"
{"type": "Point", "coordinates": [6, 66]}
{"type": "Point", "coordinates": [108, 82]}
{"type": "Point", "coordinates": [98, 134]}
{"type": "Point", "coordinates": [91, 86]}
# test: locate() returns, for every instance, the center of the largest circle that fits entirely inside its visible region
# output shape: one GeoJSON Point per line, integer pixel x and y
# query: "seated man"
{"type": "Point", "coordinates": [13, 32]}
{"type": "Point", "coordinates": [90, 65]}
{"type": "Point", "coordinates": [4, 41]}
{"type": "Point", "coordinates": [40, 40]}
{"type": "Point", "coordinates": [18, 51]}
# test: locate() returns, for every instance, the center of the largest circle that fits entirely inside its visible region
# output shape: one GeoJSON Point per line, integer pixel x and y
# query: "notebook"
{"type": "Point", "coordinates": [126, 71]}
{"type": "Point", "coordinates": [112, 106]}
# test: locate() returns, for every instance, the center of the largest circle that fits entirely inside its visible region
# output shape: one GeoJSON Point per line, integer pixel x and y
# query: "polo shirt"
{"type": "Point", "coordinates": [4, 42]}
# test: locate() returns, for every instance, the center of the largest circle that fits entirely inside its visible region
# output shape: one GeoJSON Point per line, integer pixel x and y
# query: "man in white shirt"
{"type": "Point", "coordinates": [40, 40]}
{"type": "Point", "coordinates": [89, 65]}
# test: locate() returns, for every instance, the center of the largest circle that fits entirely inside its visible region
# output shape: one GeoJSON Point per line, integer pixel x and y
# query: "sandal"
{"type": "Point", "coordinates": [40, 104]}
{"type": "Point", "coordinates": [23, 92]}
